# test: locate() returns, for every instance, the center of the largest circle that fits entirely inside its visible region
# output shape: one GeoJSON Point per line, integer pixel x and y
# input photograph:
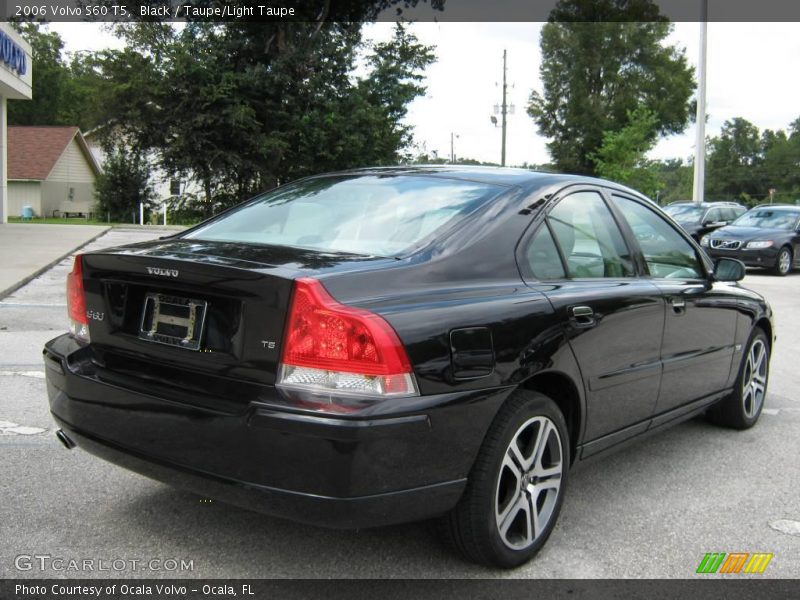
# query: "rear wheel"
{"type": "Point", "coordinates": [516, 486]}
{"type": "Point", "coordinates": [783, 264]}
{"type": "Point", "coordinates": [742, 408]}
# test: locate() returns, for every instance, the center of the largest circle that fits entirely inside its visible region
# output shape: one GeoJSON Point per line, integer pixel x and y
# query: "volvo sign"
{"type": "Point", "coordinates": [12, 55]}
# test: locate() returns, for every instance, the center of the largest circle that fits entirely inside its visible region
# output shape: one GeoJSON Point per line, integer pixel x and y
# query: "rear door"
{"type": "Point", "coordinates": [700, 326]}
{"type": "Point", "coordinates": [612, 318]}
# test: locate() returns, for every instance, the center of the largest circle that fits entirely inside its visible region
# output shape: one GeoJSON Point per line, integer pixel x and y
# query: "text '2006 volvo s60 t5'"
{"type": "Point", "coordinates": [390, 345]}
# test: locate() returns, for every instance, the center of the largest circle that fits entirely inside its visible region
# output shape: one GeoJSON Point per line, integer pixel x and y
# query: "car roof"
{"type": "Point", "coordinates": [789, 207]}
{"type": "Point", "coordinates": [709, 204]}
{"type": "Point", "coordinates": [509, 176]}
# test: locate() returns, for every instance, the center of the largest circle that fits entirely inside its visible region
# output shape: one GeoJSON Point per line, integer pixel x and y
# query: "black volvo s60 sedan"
{"type": "Point", "coordinates": [766, 236]}
{"type": "Point", "coordinates": [389, 345]}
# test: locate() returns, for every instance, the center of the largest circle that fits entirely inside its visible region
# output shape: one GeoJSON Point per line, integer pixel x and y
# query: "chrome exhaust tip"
{"type": "Point", "coordinates": [64, 439]}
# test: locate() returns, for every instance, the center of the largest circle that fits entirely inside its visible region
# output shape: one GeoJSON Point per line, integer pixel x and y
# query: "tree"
{"type": "Point", "coordinates": [64, 92]}
{"type": "Point", "coordinates": [595, 73]}
{"type": "Point", "coordinates": [123, 184]}
{"type": "Point", "coordinates": [677, 180]}
{"type": "Point", "coordinates": [735, 165]}
{"type": "Point", "coordinates": [781, 161]}
{"type": "Point", "coordinates": [395, 79]}
{"type": "Point", "coordinates": [242, 106]}
{"type": "Point", "coordinates": [622, 157]}
{"type": "Point", "coordinates": [51, 80]}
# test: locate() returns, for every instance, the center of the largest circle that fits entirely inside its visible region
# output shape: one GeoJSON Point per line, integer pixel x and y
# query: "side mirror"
{"type": "Point", "coordinates": [729, 269]}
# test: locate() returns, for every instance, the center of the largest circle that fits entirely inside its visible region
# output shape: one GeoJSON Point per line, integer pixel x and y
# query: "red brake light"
{"type": "Point", "coordinates": [340, 351]}
{"type": "Point", "coordinates": [324, 334]}
{"type": "Point", "coordinates": [76, 301]}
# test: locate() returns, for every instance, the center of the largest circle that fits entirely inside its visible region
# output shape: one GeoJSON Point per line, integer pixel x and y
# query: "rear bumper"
{"type": "Point", "coordinates": [337, 472]}
{"type": "Point", "coordinates": [357, 512]}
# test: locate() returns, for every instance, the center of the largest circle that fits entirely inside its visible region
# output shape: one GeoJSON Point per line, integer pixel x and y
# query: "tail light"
{"type": "Point", "coordinates": [335, 351]}
{"type": "Point", "coordinates": [76, 302]}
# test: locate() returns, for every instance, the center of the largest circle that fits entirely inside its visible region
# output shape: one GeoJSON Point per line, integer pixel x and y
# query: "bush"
{"type": "Point", "coordinates": [123, 184]}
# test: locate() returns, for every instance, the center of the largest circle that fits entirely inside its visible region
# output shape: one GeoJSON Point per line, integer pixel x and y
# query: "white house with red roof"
{"type": "Point", "coordinates": [52, 170]}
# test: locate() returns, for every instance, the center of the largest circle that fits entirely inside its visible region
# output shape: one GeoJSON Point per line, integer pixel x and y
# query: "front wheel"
{"type": "Point", "coordinates": [783, 264]}
{"type": "Point", "coordinates": [742, 408]}
{"type": "Point", "coordinates": [516, 487]}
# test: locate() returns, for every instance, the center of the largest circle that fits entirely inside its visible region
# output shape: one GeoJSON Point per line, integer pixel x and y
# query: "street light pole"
{"type": "Point", "coordinates": [700, 142]}
{"type": "Point", "coordinates": [503, 112]}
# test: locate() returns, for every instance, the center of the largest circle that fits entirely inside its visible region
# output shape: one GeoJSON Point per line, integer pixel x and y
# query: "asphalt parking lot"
{"type": "Point", "coordinates": [650, 511]}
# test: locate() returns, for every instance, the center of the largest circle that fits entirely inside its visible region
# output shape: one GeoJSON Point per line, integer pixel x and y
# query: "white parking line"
{"type": "Point", "coordinates": [786, 526]}
{"type": "Point", "coordinates": [31, 305]}
{"type": "Point", "coordinates": [11, 428]}
{"type": "Point", "coordinates": [33, 374]}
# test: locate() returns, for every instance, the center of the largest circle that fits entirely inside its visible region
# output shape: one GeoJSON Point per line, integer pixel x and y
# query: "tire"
{"type": "Point", "coordinates": [783, 263]}
{"type": "Point", "coordinates": [514, 472]}
{"type": "Point", "coordinates": [742, 408]}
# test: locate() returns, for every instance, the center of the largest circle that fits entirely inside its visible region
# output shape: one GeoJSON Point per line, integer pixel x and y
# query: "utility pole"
{"type": "Point", "coordinates": [503, 112]}
{"type": "Point", "coordinates": [452, 148]}
{"type": "Point", "coordinates": [700, 141]}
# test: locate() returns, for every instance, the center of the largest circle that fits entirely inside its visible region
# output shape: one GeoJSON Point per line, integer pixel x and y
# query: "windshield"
{"type": "Point", "coordinates": [366, 214]}
{"type": "Point", "coordinates": [768, 218]}
{"type": "Point", "coordinates": [685, 214]}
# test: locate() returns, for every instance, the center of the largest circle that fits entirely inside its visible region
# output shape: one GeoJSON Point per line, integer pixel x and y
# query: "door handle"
{"type": "Point", "coordinates": [678, 305]}
{"type": "Point", "coordinates": [582, 317]}
{"type": "Point", "coordinates": [677, 302]}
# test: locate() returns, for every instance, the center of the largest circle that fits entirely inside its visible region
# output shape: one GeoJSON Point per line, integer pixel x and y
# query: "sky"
{"type": "Point", "coordinates": [751, 73]}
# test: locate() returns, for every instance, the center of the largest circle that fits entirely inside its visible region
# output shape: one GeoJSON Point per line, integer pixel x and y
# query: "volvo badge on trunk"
{"type": "Point", "coordinates": [162, 272]}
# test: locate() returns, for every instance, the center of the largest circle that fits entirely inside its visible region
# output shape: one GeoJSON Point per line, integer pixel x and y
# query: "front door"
{"type": "Point", "coordinates": [699, 330]}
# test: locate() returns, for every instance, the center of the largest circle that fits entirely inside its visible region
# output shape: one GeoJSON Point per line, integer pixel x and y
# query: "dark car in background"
{"type": "Point", "coordinates": [700, 218]}
{"type": "Point", "coordinates": [766, 236]}
{"type": "Point", "coordinates": [390, 345]}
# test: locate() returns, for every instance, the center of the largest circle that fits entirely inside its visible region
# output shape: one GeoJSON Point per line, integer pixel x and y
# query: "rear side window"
{"type": "Point", "coordinates": [368, 214]}
{"type": "Point", "coordinates": [714, 215]}
{"type": "Point", "coordinates": [543, 258]}
{"type": "Point", "coordinates": [589, 238]}
{"type": "Point", "coordinates": [665, 251]}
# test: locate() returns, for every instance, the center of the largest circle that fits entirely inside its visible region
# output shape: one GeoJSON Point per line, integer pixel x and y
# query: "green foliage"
{"type": "Point", "coordinates": [63, 92]}
{"type": "Point", "coordinates": [677, 179]}
{"type": "Point", "coordinates": [622, 156]}
{"type": "Point", "coordinates": [243, 106]}
{"type": "Point", "coordinates": [733, 160]}
{"type": "Point", "coordinates": [744, 164]}
{"type": "Point", "coordinates": [50, 80]}
{"type": "Point", "coordinates": [594, 73]}
{"type": "Point", "coordinates": [123, 184]}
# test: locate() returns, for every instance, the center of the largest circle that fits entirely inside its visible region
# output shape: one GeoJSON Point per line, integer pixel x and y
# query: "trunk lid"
{"type": "Point", "coordinates": [200, 322]}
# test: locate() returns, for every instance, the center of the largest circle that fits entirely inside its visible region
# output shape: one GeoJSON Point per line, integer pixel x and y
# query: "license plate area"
{"type": "Point", "coordinates": [173, 320]}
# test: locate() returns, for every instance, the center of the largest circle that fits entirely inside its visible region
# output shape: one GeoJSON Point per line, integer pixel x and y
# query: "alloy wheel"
{"type": "Point", "coordinates": [754, 379]}
{"type": "Point", "coordinates": [784, 261]}
{"type": "Point", "coordinates": [529, 483]}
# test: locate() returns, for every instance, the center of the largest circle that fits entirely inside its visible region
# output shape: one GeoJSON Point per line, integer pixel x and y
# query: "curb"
{"type": "Point", "coordinates": [10, 290]}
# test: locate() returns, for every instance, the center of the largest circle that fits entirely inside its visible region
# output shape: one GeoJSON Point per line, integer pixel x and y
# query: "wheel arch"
{"type": "Point", "coordinates": [765, 324]}
{"type": "Point", "coordinates": [562, 390]}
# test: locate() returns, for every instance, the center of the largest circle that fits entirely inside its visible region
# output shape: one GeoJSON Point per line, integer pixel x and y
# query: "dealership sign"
{"type": "Point", "coordinates": [12, 55]}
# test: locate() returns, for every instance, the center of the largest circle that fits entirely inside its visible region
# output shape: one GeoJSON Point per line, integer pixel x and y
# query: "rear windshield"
{"type": "Point", "coordinates": [371, 214]}
{"type": "Point", "coordinates": [768, 218]}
